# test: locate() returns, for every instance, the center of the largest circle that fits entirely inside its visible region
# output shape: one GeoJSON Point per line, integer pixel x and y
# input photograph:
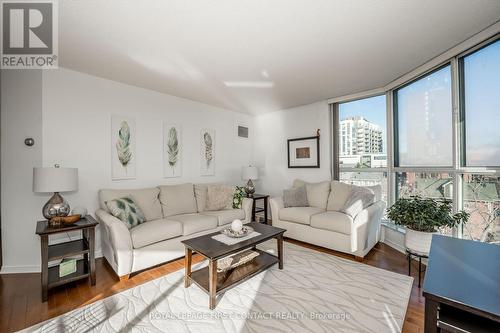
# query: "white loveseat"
{"type": "Point", "coordinates": [323, 224]}
{"type": "Point", "coordinates": [173, 213]}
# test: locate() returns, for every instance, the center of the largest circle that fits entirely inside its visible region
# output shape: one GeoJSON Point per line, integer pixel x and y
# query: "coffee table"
{"type": "Point", "coordinates": [214, 283]}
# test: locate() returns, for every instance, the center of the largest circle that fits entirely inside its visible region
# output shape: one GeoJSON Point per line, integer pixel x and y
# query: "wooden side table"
{"type": "Point", "coordinates": [255, 209]}
{"type": "Point", "coordinates": [85, 246]}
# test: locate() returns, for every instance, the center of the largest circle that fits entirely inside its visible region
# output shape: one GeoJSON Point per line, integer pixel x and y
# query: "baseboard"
{"type": "Point", "coordinates": [19, 269]}
{"type": "Point", "coordinates": [394, 246]}
{"type": "Point", "coordinates": [31, 268]}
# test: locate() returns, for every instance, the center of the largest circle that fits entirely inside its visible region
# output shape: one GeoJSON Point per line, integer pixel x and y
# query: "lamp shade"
{"type": "Point", "coordinates": [55, 179]}
{"type": "Point", "coordinates": [249, 172]}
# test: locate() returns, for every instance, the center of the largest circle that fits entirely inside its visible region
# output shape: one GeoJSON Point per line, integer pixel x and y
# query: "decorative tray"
{"type": "Point", "coordinates": [245, 231]}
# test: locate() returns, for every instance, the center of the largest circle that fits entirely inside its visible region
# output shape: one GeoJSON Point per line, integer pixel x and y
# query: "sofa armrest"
{"type": "Point", "coordinates": [118, 240]}
{"type": "Point", "coordinates": [366, 226]}
{"type": "Point", "coordinates": [276, 204]}
{"type": "Point", "coordinates": [246, 205]}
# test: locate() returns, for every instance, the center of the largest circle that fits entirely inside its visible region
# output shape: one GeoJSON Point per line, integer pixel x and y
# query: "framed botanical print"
{"type": "Point", "coordinates": [172, 150]}
{"type": "Point", "coordinates": [123, 158]}
{"type": "Point", "coordinates": [207, 152]}
{"type": "Point", "coordinates": [303, 152]}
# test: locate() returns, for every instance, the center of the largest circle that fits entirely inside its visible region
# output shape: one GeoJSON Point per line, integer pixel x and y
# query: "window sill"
{"type": "Point", "coordinates": [390, 225]}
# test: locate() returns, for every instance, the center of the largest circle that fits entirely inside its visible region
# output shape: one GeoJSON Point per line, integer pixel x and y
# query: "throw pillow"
{"type": "Point", "coordinates": [219, 197]}
{"type": "Point", "coordinates": [317, 193]}
{"type": "Point", "coordinates": [238, 196]}
{"type": "Point", "coordinates": [359, 199]}
{"type": "Point", "coordinates": [127, 211]}
{"type": "Point", "coordinates": [295, 197]}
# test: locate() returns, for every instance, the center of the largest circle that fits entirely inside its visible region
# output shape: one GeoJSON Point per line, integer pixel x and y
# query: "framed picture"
{"type": "Point", "coordinates": [172, 150]}
{"type": "Point", "coordinates": [303, 152]}
{"type": "Point", "coordinates": [207, 152]}
{"type": "Point", "coordinates": [123, 157]}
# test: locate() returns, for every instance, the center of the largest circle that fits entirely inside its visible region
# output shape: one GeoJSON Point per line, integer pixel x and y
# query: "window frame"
{"type": "Point", "coordinates": [337, 169]}
{"type": "Point", "coordinates": [395, 113]}
{"type": "Point", "coordinates": [462, 111]}
{"type": "Point", "coordinates": [336, 151]}
{"type": "Point", "coordinates": [457, 170]}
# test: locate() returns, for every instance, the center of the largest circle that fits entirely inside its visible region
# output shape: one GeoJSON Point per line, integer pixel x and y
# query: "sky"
{"type": "Point", "coordinates": [482, 106]}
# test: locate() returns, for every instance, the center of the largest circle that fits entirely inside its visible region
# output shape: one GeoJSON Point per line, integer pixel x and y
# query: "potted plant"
{"type": "Point", "coordinates": [423, 217]}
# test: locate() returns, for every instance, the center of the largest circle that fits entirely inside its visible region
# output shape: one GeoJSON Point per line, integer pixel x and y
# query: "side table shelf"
{"type": "Point", "coordinates": [82, 272]}
{"type": "Point", "coordinates": [85, 267]}
{"type": "Point", "coordinates": [68, 249]}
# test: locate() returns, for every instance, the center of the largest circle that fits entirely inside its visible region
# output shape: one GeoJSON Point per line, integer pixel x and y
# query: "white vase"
{"type": "Point", "coordinates": [418, 241]}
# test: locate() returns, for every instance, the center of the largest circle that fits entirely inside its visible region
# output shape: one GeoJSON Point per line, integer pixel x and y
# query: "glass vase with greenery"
{"type": "Point", "coordinates": [425, 214]}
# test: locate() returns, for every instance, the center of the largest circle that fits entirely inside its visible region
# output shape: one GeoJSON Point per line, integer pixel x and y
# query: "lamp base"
{"type": "Point", "coordinates": [250, 189]}
{"type": "Point", "coordinates": [56, 206]}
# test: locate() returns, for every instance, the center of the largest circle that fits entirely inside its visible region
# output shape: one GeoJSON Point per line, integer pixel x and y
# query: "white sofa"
{"type": "Point", "coordinates": [324, 225]}
{"type": "Point", "coordinates": [173, 213]}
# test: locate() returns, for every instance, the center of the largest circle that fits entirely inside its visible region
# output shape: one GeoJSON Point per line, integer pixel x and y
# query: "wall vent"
{"type": "Point", "coordinates": [243, 132]}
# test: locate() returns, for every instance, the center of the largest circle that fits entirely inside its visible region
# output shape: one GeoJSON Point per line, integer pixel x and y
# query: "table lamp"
{"type": "Point", "coordinates": [55, 179]}
{"type": "Point", "coordinates": [249, 173]}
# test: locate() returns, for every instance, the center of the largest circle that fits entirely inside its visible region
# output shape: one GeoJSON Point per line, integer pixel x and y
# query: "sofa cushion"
{"type": "Point", "coordinates": [193, 223]}
{"type": "Point", "coordinates": [155, 231]}
{"type": "Point", "coordinates": [317, 193]}
{"type": "Point", "coordinates": [299, 214]}
{"type": "Point", "coordinates": [339, 194]}
{"type": "Point", "coordinates": [227, 216]}
{"type": "Point", "coordinates": [200, 193]}
{"type": "Point", "coordinates": [146, 198]}
{"type": "Point", "coordinates": [177, 199]}
{"type": "Point", "coordinates": [332, 221]}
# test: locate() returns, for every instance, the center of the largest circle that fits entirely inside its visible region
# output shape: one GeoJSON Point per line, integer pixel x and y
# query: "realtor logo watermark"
{"type": "Point", "coordinates": [29, 35]}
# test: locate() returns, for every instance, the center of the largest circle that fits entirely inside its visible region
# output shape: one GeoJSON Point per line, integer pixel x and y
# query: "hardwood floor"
{"type": "Point", "coordinates": [21, 305]}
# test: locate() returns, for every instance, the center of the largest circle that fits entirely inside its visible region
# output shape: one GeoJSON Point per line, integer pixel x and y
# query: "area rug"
{"type": "Point", "coordinates": [315, 292]}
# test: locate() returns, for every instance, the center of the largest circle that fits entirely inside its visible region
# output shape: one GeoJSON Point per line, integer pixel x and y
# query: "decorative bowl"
{"type": "Point", "coordinates": [64, 220]}
{"type": "Point", "coordinates": [242, 233]}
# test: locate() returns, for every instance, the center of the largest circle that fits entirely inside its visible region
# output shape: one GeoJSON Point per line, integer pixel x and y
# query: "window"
{"type": "Point", "coordinates": [366, 179]}
{"type": "Point", "coordinates": [425, 184]}
{"type": "Point", "coordinates": [424, 142]}
{"type": "Point", "coordinates": [434, 185]}
{"type": "Point", "coordinates": [423, 121]}
{"type": "Point", "coordinates": [362, 143]}
{"type": "Point", "coordinates": [480, 97]}
{"type": "Point", "coordinates": [362, 133]}
{"type": "Point", "coordinates": [482, 200]}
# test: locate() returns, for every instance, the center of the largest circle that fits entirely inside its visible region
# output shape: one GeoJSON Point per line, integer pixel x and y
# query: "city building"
{"type": "Point", "coordinates": [359, 136]}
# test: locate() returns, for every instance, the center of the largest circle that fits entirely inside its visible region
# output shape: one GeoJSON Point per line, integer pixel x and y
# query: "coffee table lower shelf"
{"type": "Point", "coordinates": [234, 276]}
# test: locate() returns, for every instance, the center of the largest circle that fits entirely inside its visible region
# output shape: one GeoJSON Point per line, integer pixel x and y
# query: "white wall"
{"type": "Point", "coordinates": [73, 111]}
{"type": "Point", "coordinates": [270, 147]}
{"type": "Point", "coordinates": [21, 112]}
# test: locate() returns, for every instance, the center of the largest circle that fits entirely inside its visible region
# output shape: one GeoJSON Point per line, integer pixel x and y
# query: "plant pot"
{"type": "Point", "coordinates": [418, 241]}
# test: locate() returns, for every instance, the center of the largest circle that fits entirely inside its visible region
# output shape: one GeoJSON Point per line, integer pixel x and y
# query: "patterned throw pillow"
{"type": "Point", "coordinates": [219, 197]}
{"type": "Point", "coordinates": [238, 196]}
{"type": "Point", "coordinates": [127, 211]}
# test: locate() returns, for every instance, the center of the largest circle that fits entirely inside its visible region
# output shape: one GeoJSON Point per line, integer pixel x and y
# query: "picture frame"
{"type": "Point", "coordinates": [303, 152]}
{"type": "Point", "coordinates": [207, 152]}
{"type": "Point", "coordinates": [172, 150]}
{"type": "Point", "coordinates": [123, 155]}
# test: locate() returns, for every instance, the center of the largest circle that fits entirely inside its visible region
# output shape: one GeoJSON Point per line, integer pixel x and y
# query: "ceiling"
{"type": "Point", "coordinates": [257, 56]}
